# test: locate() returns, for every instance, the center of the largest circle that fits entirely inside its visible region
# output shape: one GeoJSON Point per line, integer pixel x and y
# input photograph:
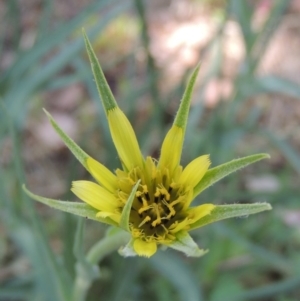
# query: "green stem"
{"type": "Point", "coordinates": [104, 247]}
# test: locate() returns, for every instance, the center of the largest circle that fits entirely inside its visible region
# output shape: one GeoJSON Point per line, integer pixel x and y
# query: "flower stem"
{"type": "Point", "coordinates": [106, 246]}
{"type": "Point", "coordinates": [97, 252]}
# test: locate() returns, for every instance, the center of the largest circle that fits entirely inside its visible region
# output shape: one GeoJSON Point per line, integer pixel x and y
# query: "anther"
{"type": "Point", "coordinates": [138, 194]}
{"type": "Point", "coordinates": [158, 218]}
{"type": "Point", "coordinates": [180, 199]}
{"type": "Point", "coordinates": [141, 210]}
{"type": "Point", "coordinates": [171, 209]}
{"type": "Point", "coordinates": [146, 220]}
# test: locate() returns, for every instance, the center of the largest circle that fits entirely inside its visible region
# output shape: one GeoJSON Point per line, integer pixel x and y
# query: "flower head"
{"type": "Point", "coordinates": [150, 199]}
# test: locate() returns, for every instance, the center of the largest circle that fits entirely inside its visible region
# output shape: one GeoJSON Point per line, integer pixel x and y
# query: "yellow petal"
{"type": "Point", "coordinates": [171, 149]}
{"type": "Point", "coordinates": [103, 175]}
{"type": "Point", "coordinates": [95, 195]}
{"type": "Point", "coordinates": [196, 213]}
{"type": "Point", "coordinates": [195, 171]}
{"type": "Point", "coordinates": [124, 139]}
{"type": "Point", "coordinates": [143, 248]}
{"type": "Point", "coordinates": [115, 217]}
{"type": "Point", "coordinates": [178, 226]}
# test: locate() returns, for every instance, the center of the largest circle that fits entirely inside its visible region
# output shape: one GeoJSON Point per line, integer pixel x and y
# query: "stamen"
{"type": "Point", "coordinates": [164, 192]}
{"type": "Point", "coordinates": [147, 219]}
{"type": "Point", "coordinates": [145, 203]}
{"type": "Point", "coordinates": [145, 206]}
{"type": "Point", "coordinates": [165, 228]}
{"type": "Point", "coordinates": [143, 209]}
{"type": "Point", "coordinates": [145, 188]}
{"type": "Point", "coordinates": [180, 199]}
{"type": "Point", "coordinates": [158, 218]}
{"type": "Point", "coordinates": [172, 211]}
{"type": "Point", "coordinates": [138, 194]}
{"type": "Point", "coordinates": [156, 195]}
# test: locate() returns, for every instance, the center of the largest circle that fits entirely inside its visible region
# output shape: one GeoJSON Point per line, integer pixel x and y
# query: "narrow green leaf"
{"type": "Point", "coordinates": [228, 211]}
{"type": "Point", "coordinates": [268, 291]}
{"type": "Point", "coordinates": [185, 243]}
{"type": "Point", "coordinates": [104, 90]}
{"type": "Point", "coordinates": [48, 42]}
{"type": "Point", "coordinates": [80, 209]}
{"type": "Point", "coordinates": [276, 84]}
{"type": "Point", "coordinates": [183, 111]}
{"type": "Point", "coordinates": [288, 151]}
{"type": "Point", "coordinates": [80, 155]}
{"type": "Point", "coordinates": [243, 12]}
{"type": "Point", "coordinates": [263, 38]}
{"type": "Point", "coordinates": [124, 222]}
{"type": "Point", "coordinates": [217, 173]}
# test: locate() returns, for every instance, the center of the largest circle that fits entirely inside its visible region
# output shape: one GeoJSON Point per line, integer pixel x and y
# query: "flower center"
{"type": "Point", "coordinates": [158, 201]}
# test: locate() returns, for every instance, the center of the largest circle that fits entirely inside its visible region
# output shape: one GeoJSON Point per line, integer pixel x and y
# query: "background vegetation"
{"type": "Point", "coordinates": [247, 101]}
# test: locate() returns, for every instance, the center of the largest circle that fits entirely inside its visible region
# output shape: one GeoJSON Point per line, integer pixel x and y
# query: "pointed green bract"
{"type": "Point", "coordinates": [80, 155]}
{"type": "Point", "coordinates": [80, 209]}
{"type": "Point", "coordinates": [217, 173]}
{"type": "Point", "coordinates": [228, 211]}
{"type": "Point", "coordinates": [184, 243]}
{"type": "Point", "coordinates": [124, 222]}
{"type": "Point", "coordinates": [104, 90]}
{"type": "Point", "coordinates": [183, 111]}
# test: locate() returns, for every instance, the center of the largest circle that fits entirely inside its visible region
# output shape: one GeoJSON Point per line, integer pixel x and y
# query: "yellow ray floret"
{"type": "Point", "coordinates": [194, 171]}
{"type": "Point", "coordinates": [103, 175]}
{"type": "Point", "coordinates": [171, 149]}
{"type": "Point", "coordinates": [143, 248]}
{"type": "Point", "coordinates": [95, 195]}
{"type": "Point", "coordinates": [124, 139]}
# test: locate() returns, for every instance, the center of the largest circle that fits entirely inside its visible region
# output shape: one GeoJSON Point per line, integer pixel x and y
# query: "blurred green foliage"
{"type": "Point", "coordinates": [249, 259]}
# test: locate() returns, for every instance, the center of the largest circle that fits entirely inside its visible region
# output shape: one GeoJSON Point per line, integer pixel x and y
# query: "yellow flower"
{"type": "Point", "coordinates": [160, 207]}
{"type": "Point", "coordinates": [161, 204]}
{"type": "Point", "coordinates": [150, 199]}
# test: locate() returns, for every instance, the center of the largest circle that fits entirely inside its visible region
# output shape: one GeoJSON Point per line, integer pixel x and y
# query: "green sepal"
{"type": "Point", "coordinates": [80, 209]}
{"type": "Point", "coordinates": [80, 155]}
{"type": "Point", "coordinates": [217, 173]}
{"type": "Point", "coordinates": [128, 250]}
{"type": "Point", "coordinates": [104, 90]}
{"type": "Point", "coordinates": [183, 111]}
{"type": "Point", "coordinates": [185, 243]}
{"type": "Point", "coordinates": [124, 221]}
{"type": "Point", "coordinates": [221, 212]}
